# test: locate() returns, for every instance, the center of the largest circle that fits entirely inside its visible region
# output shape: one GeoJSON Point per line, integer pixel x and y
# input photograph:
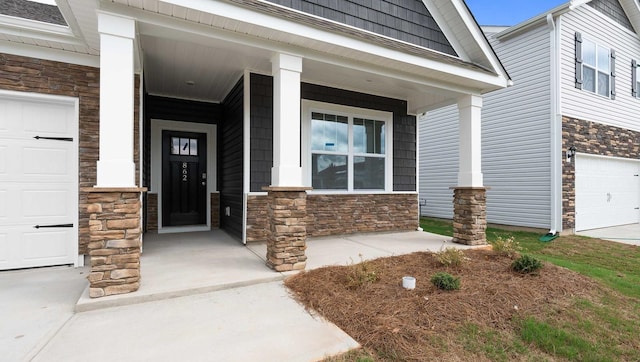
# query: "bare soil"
{"type": "Point", "coordinates": [393, 323]}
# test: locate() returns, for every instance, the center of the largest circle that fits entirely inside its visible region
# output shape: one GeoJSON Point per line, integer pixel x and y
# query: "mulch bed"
{"type": "Point", "coordinates": [423, 323]}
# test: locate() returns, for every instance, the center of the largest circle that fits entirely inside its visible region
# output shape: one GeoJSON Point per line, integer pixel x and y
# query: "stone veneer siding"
{"type": "Point", "coordinates": [257, 218]}
{"type": "Point", "coordinates": [287, 237]}
{"type": "Point", "coordinates": [596, 139]}
{"type": "Point", "coordinates": [215, 210]}
{"type": "Point", "coordinates": [114, 247]}
{"type": "Point", "coordinates": [470, 215]}
{"type": "Point", "coordinates": [24, 74]}
{"type": "Point", "coordinates": [152, 212]}
{"type": "Point", "coordinates": [342, 214]}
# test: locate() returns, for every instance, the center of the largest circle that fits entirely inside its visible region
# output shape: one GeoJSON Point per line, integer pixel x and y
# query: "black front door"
{"type": "Point", "coordinates": [184, 178]}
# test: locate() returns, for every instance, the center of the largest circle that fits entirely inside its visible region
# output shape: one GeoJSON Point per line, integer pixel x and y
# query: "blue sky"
{"type": "Point", "coordinates": [509, 12]}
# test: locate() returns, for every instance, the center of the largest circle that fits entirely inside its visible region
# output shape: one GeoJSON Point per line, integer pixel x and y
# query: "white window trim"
{"type": "Point", "coordinates": [309, 106]}
{"type": "Point", "coordinates": [584, 64]}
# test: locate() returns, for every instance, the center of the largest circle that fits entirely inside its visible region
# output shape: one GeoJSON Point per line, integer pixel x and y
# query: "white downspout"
{"type": "Point", "coordinates": [556, 127]}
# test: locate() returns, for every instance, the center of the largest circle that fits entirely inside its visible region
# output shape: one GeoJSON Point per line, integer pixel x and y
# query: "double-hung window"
{"type": "Point", "coordinates": [595, 67]}
{"type": "Point", "coordinates": [348, 148]}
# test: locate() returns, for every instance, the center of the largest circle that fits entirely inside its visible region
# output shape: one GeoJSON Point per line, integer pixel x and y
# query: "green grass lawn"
{"type": "Point", "coordinates": [604, 331]}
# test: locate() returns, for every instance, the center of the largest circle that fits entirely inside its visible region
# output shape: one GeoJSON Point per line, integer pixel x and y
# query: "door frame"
{"type": "Point", "coordinates": [210, 130]}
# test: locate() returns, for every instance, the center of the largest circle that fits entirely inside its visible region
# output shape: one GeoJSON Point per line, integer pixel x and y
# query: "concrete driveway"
{"type": "Point", "coordinates": [628, 234]}
{"type": "Point", "coordinates": [34, 305]}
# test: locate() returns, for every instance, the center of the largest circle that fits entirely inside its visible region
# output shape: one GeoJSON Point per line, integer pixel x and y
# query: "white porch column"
{"type": "Point", "coordinates": [470, 170]}
{"type": "Point", "coordinates": [469, 197]}
{"type": "Point", "coordinates": [115, 165]}
{"type": "Point", "coordinates": [286, 169]}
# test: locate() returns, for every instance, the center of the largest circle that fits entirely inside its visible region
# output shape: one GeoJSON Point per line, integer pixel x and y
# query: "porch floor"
{"type": "Point", "coordinates": [175, 265]}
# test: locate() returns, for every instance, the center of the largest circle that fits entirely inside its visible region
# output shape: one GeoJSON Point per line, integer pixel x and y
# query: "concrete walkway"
{"type": "Point", "coordinates": [227, 306]}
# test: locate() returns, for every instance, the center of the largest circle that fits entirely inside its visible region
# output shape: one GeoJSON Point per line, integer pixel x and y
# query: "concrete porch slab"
{"type": "Point", "coordinates": [176, 265]}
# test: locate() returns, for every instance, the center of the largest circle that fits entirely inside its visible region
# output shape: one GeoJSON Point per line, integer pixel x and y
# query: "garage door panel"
{"type": "Point", "coordinates": [607, 192]}
{"type": "Point", "coordinates": [45, 161]}
{"type": "Point", "coordinates": [30, 160]}
{"type": "Point", "coordinates": [46, 119]}
{"type": "Point", "coordinates": [24, 247]}
{"type": "Point", "coordinates": [4, 205]}
{"type": "Point", "coordinates": [4, 249]}
{"type": "Point", "coordinates": [4, 164]}
{"type": "Point", "coordinates": [45, 204]}
{"type": "Point", "coordinates": [45, 246]}
{"type": "Point", "coordinates": [38, 180]}
{"type": "Point", "coordinates": [35, 204]}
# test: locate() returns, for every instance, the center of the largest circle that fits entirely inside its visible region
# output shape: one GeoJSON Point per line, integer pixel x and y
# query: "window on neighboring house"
{"type": "Point", "coordinates": [635, 84]}
{"type": "Point", "coordinates": [348, 150]}
{"type": "Point", "coordinates": [595, 67]}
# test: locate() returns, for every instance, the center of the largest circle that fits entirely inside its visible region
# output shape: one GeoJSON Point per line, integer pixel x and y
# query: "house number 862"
{"type": "Point", "coordinates": [184, 172]}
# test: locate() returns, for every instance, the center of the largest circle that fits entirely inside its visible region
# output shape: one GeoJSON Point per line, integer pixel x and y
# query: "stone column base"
{"type": "Point", "coordinates": [114, 245]}
{"type": "Point", "coordinates": [287, 239]}
{"type": "Point", "coordinates": [470, 215]}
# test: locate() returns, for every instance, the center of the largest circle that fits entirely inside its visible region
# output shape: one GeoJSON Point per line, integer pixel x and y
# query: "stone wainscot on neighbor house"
{"type": "Point", "coordinates": [561, 148]}
{"type": "Point", "coordinates": [272, 120]}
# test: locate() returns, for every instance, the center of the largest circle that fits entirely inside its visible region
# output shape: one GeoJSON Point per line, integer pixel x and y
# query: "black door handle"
{"type": "Point", "coordinates": [54, 226]}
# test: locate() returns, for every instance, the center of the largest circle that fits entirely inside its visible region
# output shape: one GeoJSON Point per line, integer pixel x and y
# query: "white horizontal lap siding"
{"type": "Point", "coordinates": [515, 141]}
{"type": "Point", "coordinates": [438, 161]}
{"type": "Point", "coordinates": [516, 138]}
{"type": "Point", "coordinates": [621, 112]}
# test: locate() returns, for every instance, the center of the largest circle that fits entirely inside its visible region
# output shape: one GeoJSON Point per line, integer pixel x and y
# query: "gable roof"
{"type": "Point", "coordinates": [405, 20]}
{"type": "Point", "coordinates": [481, 64]}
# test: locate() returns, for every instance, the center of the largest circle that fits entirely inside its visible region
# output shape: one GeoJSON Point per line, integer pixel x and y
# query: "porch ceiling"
{"type": "Point", "coordinates": [213, 66]}
{"type": "Point", "coordinates": [172, 58]}
{"type": "Point", "coordinates": [180, 46]}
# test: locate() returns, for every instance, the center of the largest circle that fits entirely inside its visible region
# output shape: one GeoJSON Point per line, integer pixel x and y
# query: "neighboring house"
{"type": "Point", "coordinates": [272, 120]}
{"type": "Point", "coordinates": [575, 74]}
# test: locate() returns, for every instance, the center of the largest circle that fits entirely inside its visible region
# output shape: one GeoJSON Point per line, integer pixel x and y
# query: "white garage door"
{"type": "Point", "coordinates": [38, 180]}
{"type": "Point", "coordinates": [607, 192]}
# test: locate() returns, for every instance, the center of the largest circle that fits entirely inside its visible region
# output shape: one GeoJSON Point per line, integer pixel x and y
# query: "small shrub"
{"type": "Point", "coordinates": [361, 274]}
{"type": "Point", "coordinates": [445, 281]}
{"type": "Point", "coordinates": [505, 246]}
{"type": "Point", "coordinates": [526, 264]}
{"type": "Point", "coordinates": [450, 256]}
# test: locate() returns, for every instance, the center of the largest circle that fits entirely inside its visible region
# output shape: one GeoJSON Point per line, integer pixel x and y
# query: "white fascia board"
{"type": "Point", "coordinates": [534, 21]}
{"type": "Point", "coordinates": [481, 39]}
{"type": "Point", "coordinates": [493, 28]}
{"type": "Point", "coordinates": [231, 11]}
{"type": "Point", "coordinates": [632, 9]}
{"type": "Point", "coordinates": [34, 51]}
